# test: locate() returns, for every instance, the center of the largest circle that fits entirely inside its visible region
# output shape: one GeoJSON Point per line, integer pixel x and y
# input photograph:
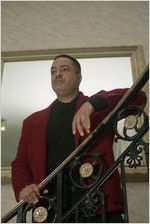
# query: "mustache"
{"type": "Point", "coordinates": [58, 79]}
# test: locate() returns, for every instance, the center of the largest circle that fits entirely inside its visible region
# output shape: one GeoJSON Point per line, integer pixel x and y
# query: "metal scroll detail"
{"type": "Point", "coordinates": [134, 157]}
{"type": "Point", "coordinates": [85, 170]}
{"type": "Point", "coordinates": [42, 212]}
{"type": "Point", "coordinates": [92, 202]}
{"type": "Point", "coordinates": [133, 125]}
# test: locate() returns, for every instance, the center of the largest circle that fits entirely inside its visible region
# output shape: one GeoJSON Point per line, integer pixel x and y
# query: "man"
{"type": "Point", "coordinates": [50, 135]}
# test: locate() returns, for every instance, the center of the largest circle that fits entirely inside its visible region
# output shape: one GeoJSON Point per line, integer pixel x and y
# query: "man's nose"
{"type": "Point", "coordinates": [58, 73]}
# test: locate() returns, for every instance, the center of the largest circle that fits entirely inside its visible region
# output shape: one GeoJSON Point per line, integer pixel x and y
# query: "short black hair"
{"type": "Point", "coordinates": [76, 64]}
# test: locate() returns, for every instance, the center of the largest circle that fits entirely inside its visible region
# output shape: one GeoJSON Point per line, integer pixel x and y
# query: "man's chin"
{"type": "Point", "coordinates": [60, 92]}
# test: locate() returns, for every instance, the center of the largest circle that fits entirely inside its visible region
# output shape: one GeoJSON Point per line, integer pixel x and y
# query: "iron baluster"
{"type": "Point", "coordinates": [124, 191]}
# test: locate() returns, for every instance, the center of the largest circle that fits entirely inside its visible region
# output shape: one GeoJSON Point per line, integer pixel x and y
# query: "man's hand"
{"type": "Point", "coordinates": [81, 121]}
{"type": "Point", "coordinates": [30, 193]}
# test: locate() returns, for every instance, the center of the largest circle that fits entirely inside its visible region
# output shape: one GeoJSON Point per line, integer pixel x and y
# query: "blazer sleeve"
{"type": "Point", "coordinates": [21, 173]}
{"type": "Point", "coordinates": [114, 96]}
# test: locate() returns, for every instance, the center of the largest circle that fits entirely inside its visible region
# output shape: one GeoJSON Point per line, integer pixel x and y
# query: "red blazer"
{"type": "Point", "coordinates": [30, 163]}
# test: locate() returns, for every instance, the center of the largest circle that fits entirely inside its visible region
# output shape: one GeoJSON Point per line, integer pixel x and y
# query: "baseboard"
{"type": "Point", "coordinates": [6, 175]}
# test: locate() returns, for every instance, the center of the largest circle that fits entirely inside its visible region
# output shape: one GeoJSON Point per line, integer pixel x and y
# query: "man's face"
{"type": "Point", "coordinates": [65, 81]}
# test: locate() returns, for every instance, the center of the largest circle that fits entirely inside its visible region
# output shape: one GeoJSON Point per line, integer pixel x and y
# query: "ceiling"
{"type": "Point", "coordinates": [33, 25]}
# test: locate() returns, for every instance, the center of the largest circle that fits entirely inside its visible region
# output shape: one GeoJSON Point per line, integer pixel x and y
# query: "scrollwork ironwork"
{"type": "Point", "coordinates": [133, 157]}
{"type": "Point", "coordinates": [90, 204]}
{"type": "Point", "coordinates": [134, 118]}
{"type": "Point", "coordinates": [85, 170]}
{"type": "Point", "coordinates": [42, 211]}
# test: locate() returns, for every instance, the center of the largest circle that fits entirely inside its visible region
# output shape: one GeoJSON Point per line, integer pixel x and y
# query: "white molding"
{"type": "Point", "coordinates": [6, 171]}
{"type": "Point", "coordinates": [132, 175]}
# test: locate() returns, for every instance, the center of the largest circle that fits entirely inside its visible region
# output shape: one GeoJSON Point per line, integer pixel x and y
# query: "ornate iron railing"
{"type": "Point", "coordinates": [50, 207]}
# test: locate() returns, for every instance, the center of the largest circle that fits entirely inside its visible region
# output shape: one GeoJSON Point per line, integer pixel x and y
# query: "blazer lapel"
{"type": "Point", "coordinates": [39, 143]}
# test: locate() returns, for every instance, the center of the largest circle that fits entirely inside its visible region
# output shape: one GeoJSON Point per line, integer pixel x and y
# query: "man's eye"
{"type": "Point", "coordinates": [53, 72]}
{"type": "Point", "coordinates": [65, 69]}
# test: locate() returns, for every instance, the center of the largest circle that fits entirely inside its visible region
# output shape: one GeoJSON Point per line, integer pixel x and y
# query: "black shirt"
{"type": "Point", "coordinates": [60, 142]}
